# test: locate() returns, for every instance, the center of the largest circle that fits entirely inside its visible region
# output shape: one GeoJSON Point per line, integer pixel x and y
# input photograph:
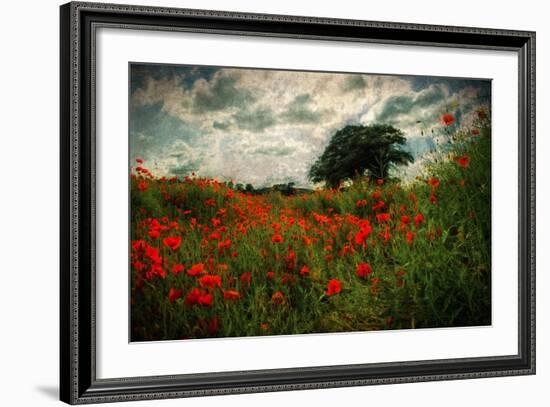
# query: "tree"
{"type": "Point", "coordinates": [359, 150]}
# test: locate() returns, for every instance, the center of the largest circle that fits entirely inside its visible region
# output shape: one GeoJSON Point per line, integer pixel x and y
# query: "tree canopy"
{"type": "Point", "coordinates": [360, 150]}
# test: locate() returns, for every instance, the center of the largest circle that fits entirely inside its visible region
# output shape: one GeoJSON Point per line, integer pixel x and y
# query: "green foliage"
{"type": "Point", "coordinates": [356, 150]}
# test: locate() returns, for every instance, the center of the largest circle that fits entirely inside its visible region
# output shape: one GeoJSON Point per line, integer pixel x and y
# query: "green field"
{"type": "Point", "coordinates": [208, 260]}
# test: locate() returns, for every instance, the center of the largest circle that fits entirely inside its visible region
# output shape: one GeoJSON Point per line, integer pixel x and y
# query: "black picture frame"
{"type": "Point", "coordinates": [78, 382]}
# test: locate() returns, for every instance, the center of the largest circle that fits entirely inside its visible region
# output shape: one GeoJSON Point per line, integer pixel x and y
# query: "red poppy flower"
{"type": "Point", "coordinates": [153, 254]}
{"type": "Point", "coordinates": [433, 198]}
{"type": "Point", "coordinates": [177, 268]}
{"type": "Point", "coordinates": [139, 161]}
{"type": "Point", "coordinates": [418, 219]}
{"type": "Point", "coordinates": [447, 119]}
{"type": "Point", "coordinates": [213, 326]}
{"type": "Point", "coordinates": [270, 275]}
{"type": "Point", "coordinates": [276, 238]}
{"type": "Point", "coordinates": [173, 242]}
{"type": "Point", "coordinates": [196, 269]}
{"type": "Point", "coordinates": [154, 234]}
{"type": "Point", "coordinates": [383, 217]}
{"type": "Point", "coordinates": [434, 182]}
{"type": "Point", "coordinates": [379, 182]}
{"type": "Point", "coordinates": [363, 270]}
{"type": "Point", "coordinates": [231, 295]}
{"type": "Point", "coordinates": [246, 278]}
{"type": "Point", "coordinates": [193, 296]}
{"type": "Point", "coordinates": [385, 234]}
{"type": "Point", "coordinates": [376, 195]}
{"type": "Point", "coordinates": [365, 229]}
{"type": "Point", "coordinates": [360, 237]}
{"type": "Point", "coordinates": [405, 219]}
{"type": "Point", "coordinates": [142, 186]}
{"type": "Point", "coordinates": [463, 161]}
{"type": "Point", "coordinates": [378, 205]}
{"type": "Point", "coordinates": [304, 271]}
{"type": "Point", "coordinates": [174, 294]}
{"type": "Point", "coordinates": [475, 132]}
{"type": "Point", "coordinates": [155, 270]}
{"type": "Point", "coordinates": [278, 298]}
{"type": "Point", "coordinates": [225, 244]}
{"type": "Point", "coordinates": [206, 299]}
{"type": "Point", "coordinates": [410, 236]}
{"type": "Point", "coordinates": [333, 287]}
{"type": "Point", "coordinates": [211, 281]}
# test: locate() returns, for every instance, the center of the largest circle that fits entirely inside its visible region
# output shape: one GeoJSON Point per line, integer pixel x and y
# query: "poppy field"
{"type": "Point", "coordinates": [208, 259]}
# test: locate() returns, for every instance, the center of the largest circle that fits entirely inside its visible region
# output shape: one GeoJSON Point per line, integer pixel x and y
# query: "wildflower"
{"type": "Point", "coordinates": [447, 119]}
{"type": "Point", "coordinates": [418, 219]}
{"type": "Point", "coordinates": [178, 268]}
{"type": "Point", "coordinates": [246, 278]}
{"type": "Point", "coordinates": [270, 275]}
{"type": "Point", "coordinates": [206, 299]}
{"type": "Point", "coordinates": [378, 205]}
{"type": "Point", "coordinates": [363, 270]}
{"type": "Point", "coordinates": [304, 271]}
{"type": "Point", "coordinates": [278, 298]}
{"type": "Point", "coordinates": [196, 269]}
{"type": "Point", "coordinates": [333, 287]}
{"type": "Point", "coordinates": [405, 219]}
{"type": "Point", "coordinates": [174, 294]}
{"type": "Point", "coordinates": [211, 281]}
{"type": "Point", "coordinates": [213, 326]}
{"type": "Point", "coordinates": [154, 234]}
{"type": "Point", "coordinates": [386, 235]}
{"type": "Point", "coordinates": [434, 182]}
{"type": "Point", "coordinates": [463, 161]}
{"type": "Point", "coordinates": [225, 244]}
{"type": "Point", "coordinates": [364, 232]}
{"type": "Point", "coordinates": [276, 238]}
{"type": "Point", "coordinates": [173, 242]}
{"type": "Point", "coordinates": [153, 254]}
{"type": "Point", "coordinates": [193, 296]}
{"type": "Point", "coordinates": [231, 295]}
{"type": "Point", "coordinates": [410, 236]}
{"type": "Point", "coordinates": [142, 186]}
{"type": "Point", "coordinates": [383, 217]}
{"type": "Point", "coordinates": [433, 198]}
{"type": "Point", "coordinates": [376, 195]}
{"type": "Point", "coordinates": [139, 161]}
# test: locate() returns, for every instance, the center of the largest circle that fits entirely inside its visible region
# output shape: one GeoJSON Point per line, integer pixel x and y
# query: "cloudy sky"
{"type": "Point", "coordinates": [266, 127]}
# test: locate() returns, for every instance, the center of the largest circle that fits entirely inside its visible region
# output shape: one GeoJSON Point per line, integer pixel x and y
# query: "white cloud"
{"type": "Point", "coordinates": [263, 126]}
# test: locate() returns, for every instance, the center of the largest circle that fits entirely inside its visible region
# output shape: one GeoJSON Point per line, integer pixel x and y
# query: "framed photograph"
{"type": "Point", "coordinates": [255, 203]}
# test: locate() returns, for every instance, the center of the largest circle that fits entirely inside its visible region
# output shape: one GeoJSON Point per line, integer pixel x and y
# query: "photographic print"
{"type": "Point", "coordinates": [278, 202]}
